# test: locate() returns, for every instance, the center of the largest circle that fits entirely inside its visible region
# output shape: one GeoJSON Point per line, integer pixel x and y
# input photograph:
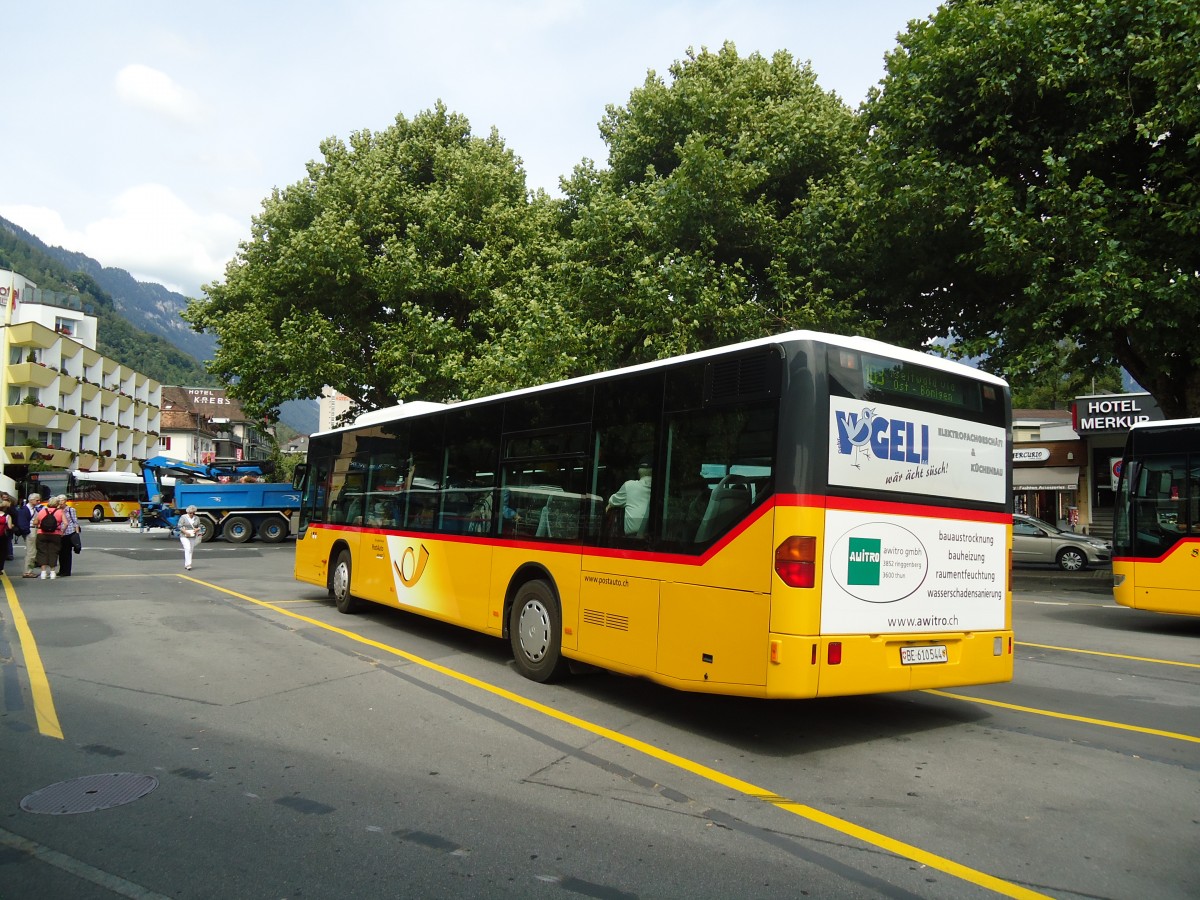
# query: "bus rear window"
{"type": "Point", "coordinates": [879, 379]}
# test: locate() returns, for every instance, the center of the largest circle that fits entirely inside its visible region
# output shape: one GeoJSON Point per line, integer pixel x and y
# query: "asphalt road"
{"type": "Point", "coordinates": [264, 745]}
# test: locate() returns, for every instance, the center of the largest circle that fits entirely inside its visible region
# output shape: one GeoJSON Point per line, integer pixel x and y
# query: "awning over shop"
{"type": "Point", "coordinates": [1046, 478]}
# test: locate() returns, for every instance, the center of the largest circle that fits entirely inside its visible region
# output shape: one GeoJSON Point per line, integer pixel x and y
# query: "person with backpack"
{"type": "Point", "coordinates": [71, 542]}
{"type": "Point", "coordinates": [49, 528]}
{"type": "Point", "coordinates": [24, 527]}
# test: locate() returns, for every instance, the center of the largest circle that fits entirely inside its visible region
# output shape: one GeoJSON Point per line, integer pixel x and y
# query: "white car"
{"type": "Point", "coordinates": [1035, 541]}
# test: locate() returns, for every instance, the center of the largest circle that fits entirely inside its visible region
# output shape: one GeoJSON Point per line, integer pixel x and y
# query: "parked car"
{"type": "Point", "coordinates": [1035, 541]}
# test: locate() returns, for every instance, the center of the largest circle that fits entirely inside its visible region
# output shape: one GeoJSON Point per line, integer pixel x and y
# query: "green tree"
{"type": "Point", "coordinates": [1055, 386]}
{"type": "Point", "coordinates": [695, 234]}
{"type": "Point", "coordinates": [1031, 182]}
{"type": "Point", "coordinates": [376, 274]}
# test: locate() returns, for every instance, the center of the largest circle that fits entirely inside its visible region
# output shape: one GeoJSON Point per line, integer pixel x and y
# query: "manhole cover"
{"type": "Point", "coordinates": [89, 793]}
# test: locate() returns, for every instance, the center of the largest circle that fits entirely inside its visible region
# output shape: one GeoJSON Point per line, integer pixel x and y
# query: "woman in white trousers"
{"type": "Point", "coordinates": [189, 535]}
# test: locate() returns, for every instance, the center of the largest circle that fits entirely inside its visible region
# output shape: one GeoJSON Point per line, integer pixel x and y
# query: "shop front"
{"type": "Point", "coordinates": [1046, 482]}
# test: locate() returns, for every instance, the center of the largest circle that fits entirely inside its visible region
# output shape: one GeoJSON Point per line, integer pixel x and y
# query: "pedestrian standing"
{"type": "Point", "coordinates": [70, 536]}
{"type": "Point", "coordinates": [48, 527]}
{"type": "Point", "coordinates": [189, 535]}
{"type": "Point", "coordinates": [8, 505]}
{"type": "Point", "coordinates": [24, 521]}
{"type": "Point", "coordinates": [6, 530]}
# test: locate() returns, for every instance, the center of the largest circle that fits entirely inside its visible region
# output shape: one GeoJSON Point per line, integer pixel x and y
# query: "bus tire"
{"type": "Point", "coordinates": [535, 632]}
{"type": "Point", "coordinates": [238, 529]}
{"type": "Point", "coordinates": [339, 585]}
{"type": "Point", "coordinates": [98, 514]}
{"type": "Point", "coordinates": [207, 529]}
{"type": "Point", "coordinates": [272, 530]}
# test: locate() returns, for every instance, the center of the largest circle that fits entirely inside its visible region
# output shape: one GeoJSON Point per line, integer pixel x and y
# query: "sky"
{"type": "Point", "coordinates": [147, 134]}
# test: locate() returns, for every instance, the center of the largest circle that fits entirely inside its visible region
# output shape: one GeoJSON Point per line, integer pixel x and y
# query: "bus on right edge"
{"type": "Point", "coordinates": [1156, 524]}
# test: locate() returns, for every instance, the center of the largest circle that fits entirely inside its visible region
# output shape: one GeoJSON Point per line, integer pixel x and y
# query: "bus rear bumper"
{"type": "Point", "coordinates": [870, 664]}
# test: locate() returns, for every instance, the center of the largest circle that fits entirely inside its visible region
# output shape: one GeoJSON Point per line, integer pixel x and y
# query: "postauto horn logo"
{"type": "Point", "coordinates": [868, 434]}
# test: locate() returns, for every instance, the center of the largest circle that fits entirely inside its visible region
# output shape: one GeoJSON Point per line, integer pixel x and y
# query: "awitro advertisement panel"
{"type": "Point", "coordinates": [887, 574]}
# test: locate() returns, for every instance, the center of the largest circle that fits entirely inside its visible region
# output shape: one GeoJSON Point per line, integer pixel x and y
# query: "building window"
{"type": "Point", "coordinates": [165, 442]}
{"type": "Point", "coordinates": [65, 326]}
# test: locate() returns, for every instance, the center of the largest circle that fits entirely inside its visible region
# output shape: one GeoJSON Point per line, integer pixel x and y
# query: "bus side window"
{"type": "Point", "coordinates": [1192, 505]}
{"type": "Point", "coordinates": [1161, 512]}
{"type": "Point", "coordinates": [469, 466]}
{"type": "Point", "coordinates": [730, 500]}
{"type": "Point", "coordinates": [544, 498]}
{"type": "Point", "coordinates": [626, 499]}
{"type": "Point", "coordinates": [720, 465]}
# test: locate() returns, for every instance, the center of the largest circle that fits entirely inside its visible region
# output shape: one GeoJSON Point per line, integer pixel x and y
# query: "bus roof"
{"type": "Point", "coordinates": [1165, 423]}
{"type": "Point", "coordinates": [850, 342]}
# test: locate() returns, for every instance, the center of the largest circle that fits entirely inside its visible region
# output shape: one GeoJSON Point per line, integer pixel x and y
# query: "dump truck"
{"type": "Point", "coordinates": [229, 501]}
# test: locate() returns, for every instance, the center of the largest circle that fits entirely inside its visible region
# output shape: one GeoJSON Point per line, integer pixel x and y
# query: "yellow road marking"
{"type": "Point", "coordinates": [1173, 735]}
{"type": "Point", "coordinates": [899, 848]}
{"type": "Point", "coordinates": [43, 702]}
{"type": "Point", "coordinates": [1161, 662]}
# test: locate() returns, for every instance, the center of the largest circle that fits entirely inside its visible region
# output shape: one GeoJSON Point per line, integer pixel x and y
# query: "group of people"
{"type": "Point", "coordinates": [50, 530]}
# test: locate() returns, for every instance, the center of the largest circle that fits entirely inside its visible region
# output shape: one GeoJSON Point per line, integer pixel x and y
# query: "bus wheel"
{"type": "Point", "coordinates": [535, 631]}
{"type": "Point", "coordinates": [98, 514]}
{"type": "Point", "coordinates": [339, 584]}
{"type": "Point", "coordinates": [272, 531]}
{"type": "Point", "coordinates": [238, 529]}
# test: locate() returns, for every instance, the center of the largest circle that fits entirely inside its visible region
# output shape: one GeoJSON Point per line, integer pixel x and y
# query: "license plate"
{"type": "Point", "coordinates": [916, 656]}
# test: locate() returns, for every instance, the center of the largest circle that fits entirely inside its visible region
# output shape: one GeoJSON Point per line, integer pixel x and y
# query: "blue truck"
{"type": "Point", "coordinates": [238, 509]}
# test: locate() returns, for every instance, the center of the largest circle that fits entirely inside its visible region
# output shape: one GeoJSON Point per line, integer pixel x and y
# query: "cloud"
{"type": "Point", "coordinates": [150, 232]}
{"type": "Point", "coordinates": [153, 91]}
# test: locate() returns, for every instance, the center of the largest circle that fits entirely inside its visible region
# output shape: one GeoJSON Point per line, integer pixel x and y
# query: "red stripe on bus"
{"type": "Point", "coordinates": [815, 501]}
{"type": "Point", "coordinates": [1178, 546]}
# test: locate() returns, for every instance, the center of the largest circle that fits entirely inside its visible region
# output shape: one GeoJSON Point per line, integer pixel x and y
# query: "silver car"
{"type": "Point", "coordinates": [1035, 541]}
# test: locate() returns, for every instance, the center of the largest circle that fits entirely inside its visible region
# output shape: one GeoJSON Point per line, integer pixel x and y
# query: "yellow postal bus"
{"type": "Point", "coordinates": [1156, 523]}
{"type": "Point", "coordinates": [812, 515]}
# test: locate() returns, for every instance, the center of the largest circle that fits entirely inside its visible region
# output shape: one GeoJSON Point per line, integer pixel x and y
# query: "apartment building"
{"type": "Point", "coordinates": [66, 406]}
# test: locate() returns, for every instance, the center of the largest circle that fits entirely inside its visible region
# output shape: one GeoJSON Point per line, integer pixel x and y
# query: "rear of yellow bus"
{"type": "Point", "coordinates": [893, 573]}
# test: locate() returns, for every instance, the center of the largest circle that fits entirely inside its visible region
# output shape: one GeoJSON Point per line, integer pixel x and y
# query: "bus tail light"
{"type": "Point", "coordinates": [834, 654]}
{"type": "Point", "coordinates": [796, 561]}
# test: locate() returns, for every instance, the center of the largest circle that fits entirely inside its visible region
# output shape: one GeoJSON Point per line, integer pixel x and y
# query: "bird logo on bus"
{"type": "Point", "coordinates": [856, 430]}
{"type": "Point", "coordinates": [872, 435]}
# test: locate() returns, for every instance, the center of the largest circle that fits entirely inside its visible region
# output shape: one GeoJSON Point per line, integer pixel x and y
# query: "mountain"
{"type": "Point", "coordinates": [139, 322]}
{"type": "Point", "coordinates": [153, 307]}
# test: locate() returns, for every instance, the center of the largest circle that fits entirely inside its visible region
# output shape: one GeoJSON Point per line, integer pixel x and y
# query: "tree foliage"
{"type": "Point", "coordinates": [1056, 386]}
{"type": "Point", "coordinates": [1030, 185]}
{"type": "Point", "coordinates": [376, 274]}
{"type": "Point", "coordinates": [1024, 184]}
{"type": "Point", "coordinates": [695, 235]}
